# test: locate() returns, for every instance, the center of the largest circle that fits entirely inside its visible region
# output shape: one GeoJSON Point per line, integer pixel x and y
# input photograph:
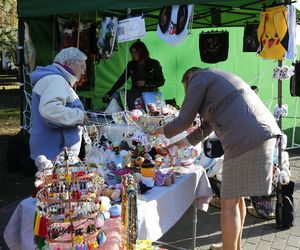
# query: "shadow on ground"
{"type": "Point", "coordinates": [16, 177]}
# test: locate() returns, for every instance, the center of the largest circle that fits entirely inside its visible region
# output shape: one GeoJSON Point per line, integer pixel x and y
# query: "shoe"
{"type": "Point", "coordinates": [216, 247]}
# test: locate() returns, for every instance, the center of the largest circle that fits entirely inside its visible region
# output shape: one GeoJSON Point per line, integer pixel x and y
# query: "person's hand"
{"type": "Point", "coordinates": [140, 83]}
{"type": "Point", "coordinates": [106, 98]}
{"type": "Point", "coordinates": [86, 119]}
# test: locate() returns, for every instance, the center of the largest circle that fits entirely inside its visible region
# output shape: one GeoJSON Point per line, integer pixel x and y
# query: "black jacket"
{"type": "Point", "coordinates": [152, 75]}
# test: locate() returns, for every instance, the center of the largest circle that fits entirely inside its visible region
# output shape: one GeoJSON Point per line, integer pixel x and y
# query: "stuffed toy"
{"type": "Point", "coordinates": [276, 175]}
{"type": "Point", "coordinates": [126, 158]}
{"type": "Point", "coordinates": [115, 211]}
{"type": "Point", "coordinates": [105, 204]}
{"type": "Point", "coordinates": [152, 110]}
{"type": "Point", "coordinates": [111, 192]}
{"type": "Point", "coordinates": [138, 150]}
{"type": "Point", "coordinates": [148, 169]}
{"type": "Point", "coordinates": [165, 154]}
{"type": "Point", "coordinates": [285, 175]}
{"type": "Point", "coordinates": [137, 163]}
{"type": "Point", "coordinates": [186, 155]}
{"type": "Point", "coordinates": [135, 114]}
{"type": "Point", "coordinates": [101, 238]}
{"type": "Point", "coordinates": [45, 168]}
{"type": "Point", "coordinates": [99, 220]}
{"type": "Point", "coordinates": [158, 161]}
{"type": "Point", "coordinates": [141, 143]}
{"type": "Point", "coordinates": [165, 179]}
{"type": "Point", "coordinates": [148, 173]}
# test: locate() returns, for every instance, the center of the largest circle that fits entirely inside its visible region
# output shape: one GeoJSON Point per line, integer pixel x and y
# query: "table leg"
{"type": "Point", "coordinates": [194, 236]}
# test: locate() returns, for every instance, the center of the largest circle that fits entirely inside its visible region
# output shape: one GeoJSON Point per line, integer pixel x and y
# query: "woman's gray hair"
{"type": "Point", "coordinates": [69, 54]}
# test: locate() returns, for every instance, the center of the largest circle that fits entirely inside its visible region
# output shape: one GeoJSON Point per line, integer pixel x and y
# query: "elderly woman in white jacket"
{"type": "Point", "coordinates": [57, 114]}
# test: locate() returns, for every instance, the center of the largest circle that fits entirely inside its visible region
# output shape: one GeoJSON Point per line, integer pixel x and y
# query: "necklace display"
{"type": "Point", "coordinates": [129, 211]}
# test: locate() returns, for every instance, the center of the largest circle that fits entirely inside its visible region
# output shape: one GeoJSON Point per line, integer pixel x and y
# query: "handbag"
{"type": "Point", "coordinates": [213, 148]}
{"type": "Point", "coordinates": [213, 46]}
{"type": "Point", "coordinates": [295, 80]}
{"type": "Point", "coordinates": [250, 42]}
{"type": "Point", "coordinates": [285, 211]}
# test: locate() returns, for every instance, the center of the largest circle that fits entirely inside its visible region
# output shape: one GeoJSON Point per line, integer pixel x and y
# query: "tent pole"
{"type": "Point", "coordinates": [194, 232]}
{"type": "Point", "coordinates": [280, 117]}
{"type": "Point", "coordinates": [78, 31]}
{"type": "Point", "coordinates": [279, 186]}
{"type": "Point", "coordinates": [20, 69]}
{"type": "Point", "coordinates": [293, 144]}
{"type": "Point", "coordinates": [295, 114]}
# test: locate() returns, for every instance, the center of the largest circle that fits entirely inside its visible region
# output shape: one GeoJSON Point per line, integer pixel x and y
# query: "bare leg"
{"type": "Point", "coordinates": [231, 223]}
{"type": "Point", "coordinates": [242, 207]}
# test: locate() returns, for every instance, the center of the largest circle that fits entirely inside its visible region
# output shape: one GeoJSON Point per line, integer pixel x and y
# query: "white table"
{"type": "Point", "coordinates": [158, 209]}
{"type": "Point", "coordinates": [162, 207]}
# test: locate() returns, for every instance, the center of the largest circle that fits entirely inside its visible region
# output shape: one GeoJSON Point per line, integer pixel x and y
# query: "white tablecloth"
{"type": "Point", "coordinates": [18, 233]}
{"type": "Point", "coordinates": [158, 209]}
{"type": "Point", "coordinates": [161, 207]}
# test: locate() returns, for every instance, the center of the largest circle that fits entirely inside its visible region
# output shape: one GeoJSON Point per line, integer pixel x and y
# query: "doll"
{"type": "Point", "coordinates": [165, 179]}
{"type": "Point", "coordinates": [152, 110]}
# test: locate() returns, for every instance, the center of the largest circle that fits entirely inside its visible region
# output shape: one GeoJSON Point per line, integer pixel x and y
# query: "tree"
{"type": "Point", "coordinates": [9, 28]}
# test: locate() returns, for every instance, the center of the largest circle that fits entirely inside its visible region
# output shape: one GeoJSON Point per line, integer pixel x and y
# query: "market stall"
{"type": "Point", "coordinates": [117, 142]}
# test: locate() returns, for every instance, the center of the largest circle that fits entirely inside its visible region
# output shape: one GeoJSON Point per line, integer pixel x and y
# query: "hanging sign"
{"type": "Point", "coordinates": [131, 29]}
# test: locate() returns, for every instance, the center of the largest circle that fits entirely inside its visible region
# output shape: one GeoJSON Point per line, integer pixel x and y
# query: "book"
{"type": "Point", "coordinates": [156, 98]}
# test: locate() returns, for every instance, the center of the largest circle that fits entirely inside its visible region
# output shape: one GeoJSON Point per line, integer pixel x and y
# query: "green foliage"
{"type": "Point", "coordinates": [9, 28]}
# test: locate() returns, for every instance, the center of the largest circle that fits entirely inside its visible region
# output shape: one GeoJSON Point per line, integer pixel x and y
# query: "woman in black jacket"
{"type": "Point", "coordinates": [146, 73]}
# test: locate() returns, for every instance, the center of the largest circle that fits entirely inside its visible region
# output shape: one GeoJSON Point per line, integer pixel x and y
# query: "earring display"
{"type": "Point", "coordinates": [68, 205]}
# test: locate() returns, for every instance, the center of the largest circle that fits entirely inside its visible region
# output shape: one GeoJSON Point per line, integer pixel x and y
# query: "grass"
{"type": "Point", "coordinates": [9, 111]}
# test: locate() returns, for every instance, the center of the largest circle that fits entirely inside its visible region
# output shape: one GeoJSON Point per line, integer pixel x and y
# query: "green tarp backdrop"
{"type": "Point", "coordinates": [176, 59]}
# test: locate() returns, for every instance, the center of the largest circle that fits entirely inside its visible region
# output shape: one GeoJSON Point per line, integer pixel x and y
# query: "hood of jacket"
{"type": "Point", "coordinates": [53, 69]}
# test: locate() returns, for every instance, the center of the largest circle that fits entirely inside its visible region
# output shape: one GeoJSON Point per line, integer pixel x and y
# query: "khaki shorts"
{"type": "Point", "coordinates": [249, 174]}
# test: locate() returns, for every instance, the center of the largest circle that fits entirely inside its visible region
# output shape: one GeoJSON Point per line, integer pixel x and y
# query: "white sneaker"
{"type": "Point", "coordinates": [216, 246]}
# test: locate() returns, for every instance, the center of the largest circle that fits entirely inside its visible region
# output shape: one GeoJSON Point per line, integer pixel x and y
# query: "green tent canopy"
{"type": "Point", "coordinates": [206, 13]}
